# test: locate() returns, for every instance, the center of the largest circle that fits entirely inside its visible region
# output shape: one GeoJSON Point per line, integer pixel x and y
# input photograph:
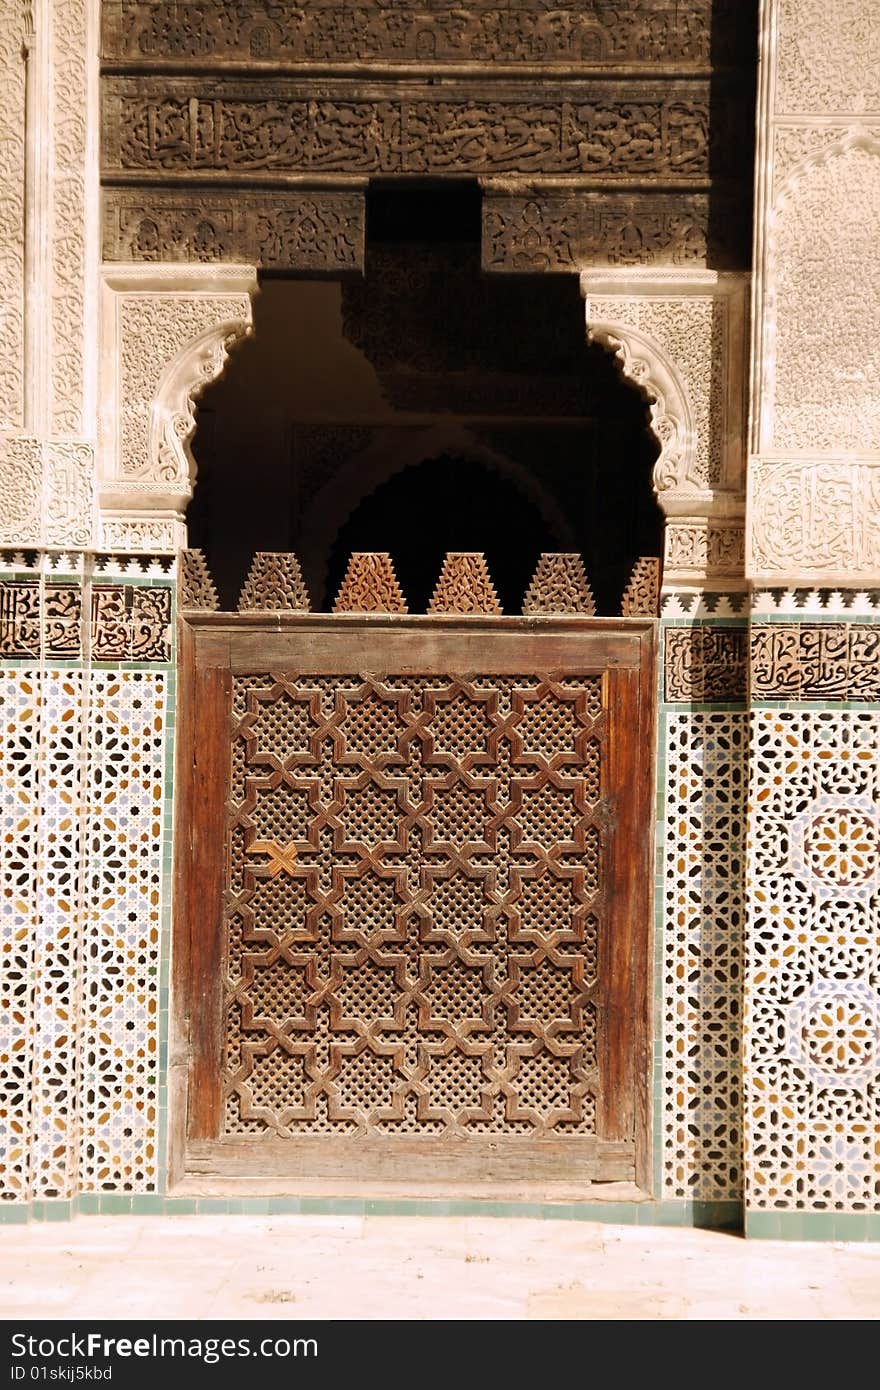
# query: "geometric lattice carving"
{"type": "Point", "coordinates": [196, 587]}
{"type": "Point", "coordinates": [464, 586]}
{"type": "Point", "coordinates": [559, 585]}
{"type": "Point", "coordinates": [370, 586]}
{"type": "Point", "coordinates": [274, 584]}
{"type": "Point", "coordinates": [814, 1030]}
{"type": "Point", "coordinates": [641, 597]}
{"type": "Point", "coordinates": [416, 905]}
{"type": "Point", "coordinates": [704, 785]}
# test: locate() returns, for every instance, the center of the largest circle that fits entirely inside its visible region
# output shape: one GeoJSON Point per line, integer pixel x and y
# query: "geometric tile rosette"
{"type": "Point", "coordinates": [813, 1023]}
{"type": "Point", "coordinates": [122, 931]}
{"type": "Point", "coordinates": [705, 790]}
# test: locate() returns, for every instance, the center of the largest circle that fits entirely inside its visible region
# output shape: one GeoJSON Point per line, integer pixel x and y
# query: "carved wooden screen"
{"type": "Point", "coordinates": [417, 894]}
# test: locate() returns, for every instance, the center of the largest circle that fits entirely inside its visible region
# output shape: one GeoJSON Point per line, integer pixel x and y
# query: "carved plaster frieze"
{"type": "Point", "coordinates": [74, 180]}
{"type": "Point", "coordinates": [12, 188]}
{"type": "Point", "coordinates": [700, 546]}
{"type": "Point", "coordinates": [166, 333]}
{"type": "Point", "coordinates": [148, 533]}
{"type": "Point", "coordinates": [681, 337]}
{"type": "Point", "coordinates": [814, 520]}
{"type": "Point", "coordinates": [21, 487]}
{"type": "Point", "coordinates": [828, 56]}
{"type": "Point", "coordinates": [820, 349]}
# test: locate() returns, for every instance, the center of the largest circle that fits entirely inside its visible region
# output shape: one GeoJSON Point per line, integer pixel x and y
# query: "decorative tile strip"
{"type": "Point", "coordinates": [705, 665]}
{"type": "Point", "coordinates": [697, 603]}
{"type": "Point", "coordinates": [464, 586]}
{"type": "Point", "coordinates": [196, 587]}
{"type": "Point", "coordinates": [20, 618]}
{"type": "Point", "coordinates": [559, 585]}
{"type": "Point", "coordinates": [815, 661]}
{"type": "Point", "coordinates": [274, 584]}
{"type": "Point", "coordinates": [130, 622]}
{"type": "Point", "coordinates": [62, 621]}
{"type": "Point", "coordinates": [847, 602]}
{"type": "Point", "coordinates": [641, 597]}
{"type": "Point", "coordinates": [370, 586]}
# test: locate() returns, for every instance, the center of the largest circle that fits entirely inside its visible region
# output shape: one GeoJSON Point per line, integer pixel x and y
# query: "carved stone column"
{"type": "Point", "coordinates": [165, 334]}
{"type": "Point", "coordinates": [812, 1015]}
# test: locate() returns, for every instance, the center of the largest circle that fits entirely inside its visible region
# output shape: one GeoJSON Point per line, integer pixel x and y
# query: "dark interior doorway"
{"type": "Point", "coordinates": [424, 407]}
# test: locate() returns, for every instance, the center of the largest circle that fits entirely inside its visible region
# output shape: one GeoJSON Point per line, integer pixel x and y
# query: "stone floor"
{"type": "Point", "coordinates": [319, 1267]}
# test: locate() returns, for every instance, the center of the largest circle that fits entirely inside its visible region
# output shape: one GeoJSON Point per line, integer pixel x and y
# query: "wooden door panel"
{"type": "Point", "coordinates": [419, 924]}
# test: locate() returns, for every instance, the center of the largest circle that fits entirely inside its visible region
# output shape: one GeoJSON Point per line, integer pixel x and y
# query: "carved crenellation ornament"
{"type": "Point", "coordinates": [559, 585]}
{"type": "Point", "coordinates": [196, 588]}
{"type": "Point", "coordinates": [370, 586]}
{"type": "Point", "coordinates": [641, 597]}
{"type": "Point", "coordinates": [274, 584]}
{"type": "Point", "coordinates": [464, 586]}
{"type": "Point", "coordinates": [166, 333]}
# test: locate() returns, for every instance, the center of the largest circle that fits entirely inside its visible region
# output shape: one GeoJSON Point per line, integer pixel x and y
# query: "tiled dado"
{"type": "Point", "coordinates": [700, 896]}
{"type": "Point", "coordinates": [813, 969]}
{"type": "Point", "coordinates": [85, 780]}
{"type": "Point", "coordinates": [126, 621]}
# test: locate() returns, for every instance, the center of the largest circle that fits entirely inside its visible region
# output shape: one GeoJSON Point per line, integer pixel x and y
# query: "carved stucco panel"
{"type": "Point", "coordinates": [685, 350]}
{"type": "Point", "coordinates": [697, 547]}
{"type": "Point", "coordinates": [69, 498]}
{"type": "Point", "coordinates": [21, 486]}
{"type": "Point", "coordinates": [156, 389]}
{"type": "Point", "coordinates": [144, 535]}
{"type": "Point", "coordinates": [814, 519]}
{"type": "Point", "coordinates": [828, 56]}
{"type": "Point", "coordinates": [823, 305]}
{"type": "Point", "coordinates": [12, 157]}
{"type": "Point", "coordinates": [69, 269]}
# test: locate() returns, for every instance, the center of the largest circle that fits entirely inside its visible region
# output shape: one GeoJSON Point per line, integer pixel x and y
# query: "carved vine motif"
{"type": "Point", "coordinates": [427, 31]}
{"type": "Point", "coordinates": [196, 587]}
{"type": "Point", "coordinates": [642, 134]}
{"type": "Point", "coordinates": [388, 968]}
{"type": "Point", "coordinates": [324, 231]}
{"type": "Point", "coordinates": [464, 586]}
{"type": "Point", "coordinates": [370, 586]}
{"type": "Point", "coordinates": [274, 583]}
{"type": "Point", "coordinates": [641, 597]}
{"type": "Point", "coordinates": [829, 57]}
{"type": "Point", "coordinates": [559, 585]}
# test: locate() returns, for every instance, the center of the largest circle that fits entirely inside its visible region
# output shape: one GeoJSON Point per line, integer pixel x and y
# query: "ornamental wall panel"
{"type": "Point", "coordinates": [12, 193]}
{"type": "Point", "coordinates": [813, 1012]}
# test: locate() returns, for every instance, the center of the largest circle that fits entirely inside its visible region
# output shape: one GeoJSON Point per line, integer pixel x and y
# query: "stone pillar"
{"type": "Point", "coordinates": [681, 336]}
{"type": "Point", "coordinates": [812, 1023]}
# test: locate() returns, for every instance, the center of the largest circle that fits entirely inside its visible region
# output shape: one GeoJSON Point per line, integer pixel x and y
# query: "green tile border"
{"type": "Point", "coordinates": [649, 1213]}
{"type": "Point", "coordinates": [849, 1226]}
